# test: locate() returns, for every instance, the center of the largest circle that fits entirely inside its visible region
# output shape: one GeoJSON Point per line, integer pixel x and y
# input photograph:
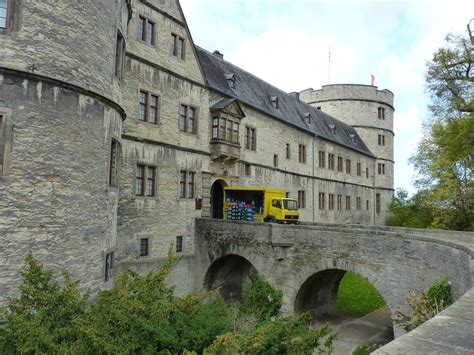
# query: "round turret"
{"type": "Point", "coordinates": [370, 112]}
{"type": "Point", "coordinates": [60, 133]}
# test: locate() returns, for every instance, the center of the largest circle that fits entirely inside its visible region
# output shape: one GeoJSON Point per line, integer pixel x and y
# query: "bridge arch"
{"type": "Point", "coordinates": [229, 273]}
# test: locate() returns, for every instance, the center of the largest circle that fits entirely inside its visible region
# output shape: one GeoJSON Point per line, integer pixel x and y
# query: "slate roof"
{"type": "Point", "coordinates": [257, 93]}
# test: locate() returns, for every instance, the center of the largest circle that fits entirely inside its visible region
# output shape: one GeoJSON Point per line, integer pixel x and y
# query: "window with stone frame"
{"type": "Point", "coordinates": [367, 205]}
{"type": "Point", "coordinates": [331, 201]}
{"type": "Point", "coordinates": [339, 164]}
{"type": "Point", "coordinates": [339, 202]}
{"type": "Point", "coordinates": [148, 107]}
{"type": "Point", "coordinates": [322, 159]}
{"type": "Point", "coordinates": [179, 46]}
{"type": "Point", "coordinates": [302, 153]}
{"type": "Point", "coordinates": [146, 30]}
{"type": "Point", "coordinates": [187, 184]}
{"type": "Point", "coordinates": [119, 55]}
{"type": "Point", "coordinates": [225, 128]}
{"type": "Point", "coordinates": [288, 151]}
{"type": "Point", "coordinates": [358, 203]}
{"type": "Point", "coordinates": [250, 138]}
{"type": "Point", "coordinates": [348, 166]}
{"type": "Point", "coordinates": [179, 244]}
{"type": "Point", "coordinates": [381, 168]}
{"type": "Point", "coordinates": [348, 202]}
{"type": "Point", "coordinates": [331, 161]}
{"type": "Point", "coordinates": [5, 13]}
{"type": "Point", "coordinates": [275, 160]}
{"type": "Point", "coordinates": [109, 266]}
{"type": "Point", "coordinates": [377, 203]}
{"type": "Point", "coordinates": [381, 113]}
{"type": "Point", "coordinates": [359, 169]}
{"type": "Point", "coordinates": [144, 246]}
{"type": "Point", "coordinates": [247, 169]}
{"type": "Point", "coordinates": [381, 139]}
{"type": "Point", "coordinates": [367, 173]}
{"type": "Point", "coordinates": [187, 118]}
{"type": "Point", "coordinates": [322, 200]}
{"type": "Point", "coordinates": [301, 199]}
{"type": "Point", "coordinates": [145, 180]}
{"type": "Point", "coordinates": [113, 162]}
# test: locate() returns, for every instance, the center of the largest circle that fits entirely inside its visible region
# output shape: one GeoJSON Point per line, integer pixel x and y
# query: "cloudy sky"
{"type": "Point", "coordinates": [286, 42]}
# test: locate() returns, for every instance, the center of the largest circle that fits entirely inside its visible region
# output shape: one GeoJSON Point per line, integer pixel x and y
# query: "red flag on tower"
{"type": "Point", "coordinates": [372, 79]}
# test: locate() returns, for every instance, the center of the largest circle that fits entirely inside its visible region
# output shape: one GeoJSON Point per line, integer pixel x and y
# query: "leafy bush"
{"type": "Point", "coordinates": [142, 315]}
{"type": "Point", "coordinates": [424, 305]}
{"type": "Point", "coordinates": [261, 299]}
{"type": "Point", "coordinates": [365, 349]}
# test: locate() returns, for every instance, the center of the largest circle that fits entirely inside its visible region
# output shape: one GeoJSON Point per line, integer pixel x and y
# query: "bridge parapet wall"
{"type": "Point", "coordinates": [395, 260]}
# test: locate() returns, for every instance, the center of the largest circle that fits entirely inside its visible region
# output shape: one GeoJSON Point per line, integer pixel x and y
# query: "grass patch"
{"type": "Point", "coordinates": [365, 349]}
{"type": "Point", "coordinates": [356, 297]}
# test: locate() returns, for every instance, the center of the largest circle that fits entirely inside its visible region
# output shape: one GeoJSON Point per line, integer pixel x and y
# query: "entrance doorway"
{"type": "Point", "coordinates": [217, 199]}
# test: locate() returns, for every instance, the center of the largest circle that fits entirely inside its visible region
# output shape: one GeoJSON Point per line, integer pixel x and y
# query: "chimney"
{"type": "Point", "coordinates": [218, 54]}
{"type": "Point", "coordinates": [295, 94]}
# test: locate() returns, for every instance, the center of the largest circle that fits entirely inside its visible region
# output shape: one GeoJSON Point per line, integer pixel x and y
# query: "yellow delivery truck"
{"type": "Point", "coordinates": [259, 204]}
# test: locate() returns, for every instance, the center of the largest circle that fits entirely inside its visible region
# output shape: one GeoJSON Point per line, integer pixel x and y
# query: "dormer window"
{"type": "Point", "coordinates": [307, 117]}
{"type": "Point", "coordinates": [274, 101]}
{"type": "Point", "coordinates": [332, 128]}
{"type": "Point", "coordinates": [353, 137]}
{"type": "Point", "coordinates": [230, 80]}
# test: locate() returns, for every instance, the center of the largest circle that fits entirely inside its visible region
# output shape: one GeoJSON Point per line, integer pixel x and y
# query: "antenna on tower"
{"type": "Point", "coordinates": [329, 65]}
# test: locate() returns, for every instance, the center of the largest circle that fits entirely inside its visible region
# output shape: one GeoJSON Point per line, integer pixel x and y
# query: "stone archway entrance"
{"type": "Point", "coordinates": [217, 199]}
{"type": "Point", "coordinates": [229, 274]}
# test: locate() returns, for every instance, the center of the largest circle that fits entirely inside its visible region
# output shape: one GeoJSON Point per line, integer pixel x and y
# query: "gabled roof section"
{"type": "Point", "coordinates": [256, 92]}
{"type": "Point", "coordinates": [191, 41]}
{"type": "Point", "coordinates": [230, 105]}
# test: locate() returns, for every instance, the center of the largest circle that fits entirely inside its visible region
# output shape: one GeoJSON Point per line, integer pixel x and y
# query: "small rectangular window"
{"type": "Point", "coordinates": [359, 169]}
{"type": "Point", "coordinates": [348, 166]}
{"type": "Point", "coordinates": [186, 184]}
{"type": "Point", "coordinates": [109, 266]}
{"type": "Point", "coordinates": [302, 153]}
{"type": "Point", "coordinates": [191, 184]}
{"type": "Point", "coordinates": [322, 201]}
{"type": "Point", "coordinates": [145, 180]}
{"type": "Point", "coordinates": [301, 199]}
{"type": "Point", "coordinates": [248, 170]}
{"type": "Point", "coordinates": [358, 203]}
{"type": "Point", "coordinates": [119, 55]}
{"type": "Point", "coordinates": [140, 180]}
{"type": "Point", "coordinates": [288, 152]}
{"type": "Point", "coordinates": [148, 107]}
{"type": "Point", "coordinates": [381, 168]}
{"type": "Point", "coordinates": [250, 138]}
{"type": "Point", "coordinates": [367, 205]}
{"type": "Point", "coordinates": [339, 164]}
{"type": "Point", "coordinates": [5, 8]}
{"type": "Point", "coordinates": [331, 161]}
{"type": "Point", "coordinates": [367, 173]}
{"type": "Point", "coordinates": [381, 113]}
{"type": "Point", "coordinates": [179, 47]}
{"type": "Point", "coordinates": [179, 244]}
{"type": "Point", "coordinates": [144, 243]}
{"type": "Point", "coordinates": [146, 30]}
{"type": "Point", "coordinates": [322, 159]}
{"type": "Point", "coordinates": [377, 203]}
{"type": "Point", "coordinates": [381, 139]}
{"type": "Point", "coordinates": [113, 161]}
{"type": "Point", "coordinates": [331, 201]}
{"type": "Point", "coordinates": [348, 202]}
{"type": "Point", "coordinates": [187, 118]}
{"type": "Point", "coordinates": [339, 202]}
{"type": "Point", "coordinates": [275, 160]}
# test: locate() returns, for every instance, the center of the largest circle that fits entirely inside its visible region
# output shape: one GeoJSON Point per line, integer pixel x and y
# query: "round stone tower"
{"type": "Point", "coordinates": [60, 133]}
{"type": "Point", "coordinates": [370, 112]}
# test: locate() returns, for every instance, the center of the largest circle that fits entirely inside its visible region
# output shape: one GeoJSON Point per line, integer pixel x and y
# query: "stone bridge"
{"type": "Point", "coordinates": [308, 261]}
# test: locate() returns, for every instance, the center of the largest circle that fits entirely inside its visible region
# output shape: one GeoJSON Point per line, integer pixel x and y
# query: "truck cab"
{"type": "Point", "coordinates": [283, 210]}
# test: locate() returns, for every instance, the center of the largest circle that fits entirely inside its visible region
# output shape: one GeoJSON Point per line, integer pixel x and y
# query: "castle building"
{"type": "Point", "coordinates": [116, 132]}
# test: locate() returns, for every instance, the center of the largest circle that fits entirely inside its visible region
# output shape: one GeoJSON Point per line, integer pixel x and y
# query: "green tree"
{"type": "Point", "coordinates": [43, 318]}
{"type": "Point", "coordinates": [413, 212]}
{"type": "Point", "coordinates": [444, 158]}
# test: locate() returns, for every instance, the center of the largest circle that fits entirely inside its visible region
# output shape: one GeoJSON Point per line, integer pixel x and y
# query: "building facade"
{"type": "Point", "coordinates": [112, 142]}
